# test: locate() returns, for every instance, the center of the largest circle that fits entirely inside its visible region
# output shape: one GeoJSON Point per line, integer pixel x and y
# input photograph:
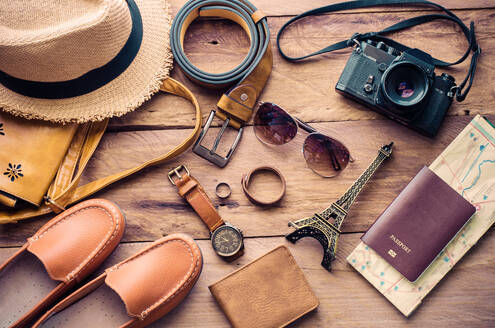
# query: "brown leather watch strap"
{"type": "Point", "coordinates": [190, 189]}
{"type": "Point", "coordinates": [245, 185]}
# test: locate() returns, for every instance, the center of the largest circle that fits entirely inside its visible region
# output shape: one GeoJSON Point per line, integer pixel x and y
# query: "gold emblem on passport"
{"type": "Point", "coordinates": [392, 253]}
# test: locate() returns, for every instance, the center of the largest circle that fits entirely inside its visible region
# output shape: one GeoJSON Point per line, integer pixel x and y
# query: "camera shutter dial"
{"type": "Point", "coordinates": [368, 87]}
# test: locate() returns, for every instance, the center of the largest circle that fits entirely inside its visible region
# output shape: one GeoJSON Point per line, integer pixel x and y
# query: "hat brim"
{"type": "Point", "coordinates": [122, 95]}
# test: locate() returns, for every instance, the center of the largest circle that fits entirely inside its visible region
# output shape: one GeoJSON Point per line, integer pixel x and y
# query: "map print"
{"type": "Point", "coordinates": [468, 166]}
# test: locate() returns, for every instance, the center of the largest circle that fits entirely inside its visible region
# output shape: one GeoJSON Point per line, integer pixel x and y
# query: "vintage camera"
{"type": "Point", "coordinates": [400, 85]}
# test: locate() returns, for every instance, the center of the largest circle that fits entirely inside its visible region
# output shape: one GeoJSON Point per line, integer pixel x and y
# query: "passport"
{"type": "Point", "coordinates": [418, 224]}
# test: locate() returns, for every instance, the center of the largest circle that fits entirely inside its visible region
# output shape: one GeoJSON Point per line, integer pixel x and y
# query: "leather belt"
{"type": "Point", "coordinates": [236, 106]}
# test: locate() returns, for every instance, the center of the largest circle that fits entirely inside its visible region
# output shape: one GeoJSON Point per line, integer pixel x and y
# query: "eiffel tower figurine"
{"type": "Point", "coordinates": [319, 227]}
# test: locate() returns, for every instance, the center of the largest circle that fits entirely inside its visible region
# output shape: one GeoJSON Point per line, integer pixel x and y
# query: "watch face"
{"type": "Point", "coordinates": [226, 240]}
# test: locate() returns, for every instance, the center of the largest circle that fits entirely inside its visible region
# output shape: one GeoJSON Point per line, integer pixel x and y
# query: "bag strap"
{"type": "Point", "coordinates": [68, 167]}
{"type": "Point", "coordinates": [65, 191]}
{"type": "Point", "coordinates": [68, 178]}
{"type": "Point", "coordinates": [378, 36]}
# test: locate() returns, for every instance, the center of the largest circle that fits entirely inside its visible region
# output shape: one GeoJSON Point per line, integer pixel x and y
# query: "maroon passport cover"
{"type": "Point", "coordinates": [418, 224]}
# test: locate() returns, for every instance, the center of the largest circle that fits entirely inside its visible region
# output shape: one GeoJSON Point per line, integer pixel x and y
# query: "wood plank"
{"type": "Point", "coordinates": [294, 7]}
{"type": "Point", "coordinates": [346, 299]}
{"type": "Point", "coordinates": [307, 89]}
{"type": "Point", "coordinates": [153, 208]}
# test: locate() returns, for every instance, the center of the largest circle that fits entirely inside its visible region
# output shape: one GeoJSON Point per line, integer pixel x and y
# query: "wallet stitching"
{"type": "Point", "coordinates": [247, 265]}
{"type": "Point", "coordinates": [301, 275]}
{"type": "Point", "coordinates": [167, 298]}
{"type": "Point", "coordinates": [92, 256]}
{"type": "Point", "coordinates": [293, 263]}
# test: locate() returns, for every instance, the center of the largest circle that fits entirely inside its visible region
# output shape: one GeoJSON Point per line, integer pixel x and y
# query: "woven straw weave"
{"type": "Point", "coordinates": [47, 41]}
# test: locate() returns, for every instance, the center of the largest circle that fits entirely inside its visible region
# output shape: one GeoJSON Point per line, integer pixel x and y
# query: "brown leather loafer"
{"type": "Point", "coordinates": [150, 284]}
{"type": "Point", "coordinates": [60, 255]}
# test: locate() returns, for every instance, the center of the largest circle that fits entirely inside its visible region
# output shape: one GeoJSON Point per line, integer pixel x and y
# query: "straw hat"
{"type": "Point", "coordinates": [77, 61]}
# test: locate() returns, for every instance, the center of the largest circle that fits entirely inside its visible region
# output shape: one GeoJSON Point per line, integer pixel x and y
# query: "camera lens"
{"type": "Point", "coordinates": [405, 84]}
{"type": "Point", "coordinates": [405, 89]}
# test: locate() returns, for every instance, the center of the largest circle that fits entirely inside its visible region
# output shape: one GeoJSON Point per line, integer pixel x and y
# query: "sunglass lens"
{"type": "Point", "coordinates": [272, 125]}
{"type": "Point", "coordinates": [324, 155]}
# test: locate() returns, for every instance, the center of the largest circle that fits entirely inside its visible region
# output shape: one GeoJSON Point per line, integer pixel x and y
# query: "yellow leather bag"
{"type": "Point", "coordinates": [41, 163]}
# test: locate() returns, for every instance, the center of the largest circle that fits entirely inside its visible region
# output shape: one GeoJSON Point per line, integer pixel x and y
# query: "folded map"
{"type": "Point", "coordinates": [468, 166]}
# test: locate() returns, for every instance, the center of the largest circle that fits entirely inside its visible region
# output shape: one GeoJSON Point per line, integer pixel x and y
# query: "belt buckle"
{"type": "Point", "coordinates": [176, 172]}
{"type": "Point", "coordinates": [210, 154]}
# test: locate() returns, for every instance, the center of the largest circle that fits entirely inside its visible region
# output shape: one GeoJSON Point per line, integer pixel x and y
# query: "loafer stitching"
{"type": "Point", "coordinates": [168, 297]}
{"type": "Point", "coordinates": [92, 256]}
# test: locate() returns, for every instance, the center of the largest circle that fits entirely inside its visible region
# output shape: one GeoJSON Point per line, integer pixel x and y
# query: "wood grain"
{"type": "Point", "coordinates": [346, 299]}
{"type": "Point", "coordinates": [153, 208]}
{"type": "Point", "coordinates": [465, 298]}
{"type": "Point", "coordinates": [294, 7]}
{"type": "Point", "coordinates": [307, 89]}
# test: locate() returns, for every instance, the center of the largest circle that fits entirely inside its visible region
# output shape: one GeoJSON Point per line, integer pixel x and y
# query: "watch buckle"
{"type": "Point", "coordinates": [176, 172]}
{"type": "Point", "coordinates": [210, 154]}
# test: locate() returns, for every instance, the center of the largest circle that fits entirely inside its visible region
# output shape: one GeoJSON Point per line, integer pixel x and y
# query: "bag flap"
{"type": "Point", "coordinates": [27, 174]}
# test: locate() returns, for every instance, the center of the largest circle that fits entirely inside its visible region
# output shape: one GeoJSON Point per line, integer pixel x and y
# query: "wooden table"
{"type": "Point", "coordinates": [466, 297]}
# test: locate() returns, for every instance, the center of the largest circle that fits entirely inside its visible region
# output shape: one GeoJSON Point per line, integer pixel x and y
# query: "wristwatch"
{"type": "Point", "coordinates": [226, 239]}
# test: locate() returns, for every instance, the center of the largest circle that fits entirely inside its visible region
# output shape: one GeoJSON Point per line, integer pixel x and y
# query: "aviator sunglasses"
{"type": "Point", "coordinates": [326, 156]}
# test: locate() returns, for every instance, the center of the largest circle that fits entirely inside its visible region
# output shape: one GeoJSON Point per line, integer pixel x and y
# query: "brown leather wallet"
{"type": "Point", "coordinates": [226, 239]}
{"type": "Point", "coordinates": [245, 186]}
{"type": "Point", "coordinates": [269, 292]}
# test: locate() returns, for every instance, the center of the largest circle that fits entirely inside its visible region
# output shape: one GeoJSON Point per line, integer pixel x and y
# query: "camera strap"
{"type": "Point", "coordinates": [460, 90]}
